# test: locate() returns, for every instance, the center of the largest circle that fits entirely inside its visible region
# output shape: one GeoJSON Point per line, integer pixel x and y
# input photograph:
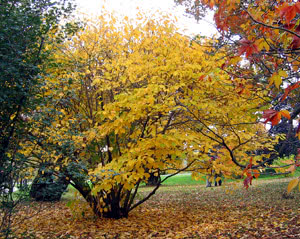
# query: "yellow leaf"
{"type": "Point", "coordinates": [91, 135]}
{"type": "Point", "coordinates": [292, 184]}
{"type": "Point", "coordinates": [261, 44]}
{"type": "Point", "coordinates": [12, 116]}
{"type": "Point", "coordinates": [127, 186]}
{"type": "Point", "coordinates": [235, 60]}
{"type": "Point", "coordinates": [282, 73]}
{"type": "Point", "coordinates": [82, 154]}
{"type": "Point", "coordinates": [106, 187]}
{"type": "Point", "coordinates": [285, 114]}
{"type": "Point", "coordinates": [277, 80]}
{"type": "Point", "coordinates": [118, 178]}
{"type": "Point", "coordinates": [218, 179]}
{"type": "Point", "coordinates": [266, 46]}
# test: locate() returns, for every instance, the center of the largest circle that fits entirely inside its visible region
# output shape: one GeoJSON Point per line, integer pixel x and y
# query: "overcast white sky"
{"type": "Point", "coordinates": [129, 8]}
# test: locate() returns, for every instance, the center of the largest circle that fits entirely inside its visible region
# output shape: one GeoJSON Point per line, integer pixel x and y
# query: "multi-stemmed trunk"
{"type": "Point", "coordinates": [117, 202]}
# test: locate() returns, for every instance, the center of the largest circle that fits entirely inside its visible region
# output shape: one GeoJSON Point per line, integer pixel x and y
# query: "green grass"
{"type": "Point", "coordinates": [296, 174]}
{"type": "Point", "coordinates": [186, 179]}
{"type": "Point", "coordinates": [182, 179]}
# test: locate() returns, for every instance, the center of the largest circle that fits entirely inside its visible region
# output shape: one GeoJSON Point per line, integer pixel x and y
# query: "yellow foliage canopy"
{"type": "Point", "coordinates": [138, 100]}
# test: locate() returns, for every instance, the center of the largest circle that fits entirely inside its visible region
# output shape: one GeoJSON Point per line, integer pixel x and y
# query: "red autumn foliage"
{"type": "Point", "coordinates": [289, 89]}
{"type": "Point", "coordinates": [289, 12]}
{"type": "Point", "coordinates": [248, 181]}
{"type": "Point", "coordinates": [271, 116]}
{"type": "Point", "coordinates": [247, 47]}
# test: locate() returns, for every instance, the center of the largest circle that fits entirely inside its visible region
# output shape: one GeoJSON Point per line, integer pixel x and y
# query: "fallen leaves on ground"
{"type": "Point", "coordinates": [177, 212]}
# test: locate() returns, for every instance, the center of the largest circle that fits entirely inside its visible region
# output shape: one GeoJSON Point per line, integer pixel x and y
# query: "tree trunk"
{"type": "Point", "coordinates": [114, 210]}
{"type": "Point", "coordinates": [208, 182]}
{"type": "Point", "coordinates": [115, 204]}
{"type": "Point", "coordinates": [153, 180]}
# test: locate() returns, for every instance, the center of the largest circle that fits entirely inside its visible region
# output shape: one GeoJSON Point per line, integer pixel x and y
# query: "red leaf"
{"type": "Point", "coordinates": [211, 4]}
{"type": "Point", "coordinates": [295, 43]}
{"type": "Point", "coordinates": [289, 12]}
{"type": "Point", "coordinates": [272, 116]}
{"type": "Point", "coordinates": [248, 181]}
{"type": "Point", "coordinates": [250, 163]}
{"type": "Point", "coordinates": [297, 7]}
{"type": "Point", "coordinates": [221, 22]}
{"type": "Point", "coordinates": [289, 89]}
{"type": "Point", "coordinates": [256, 173]}
{"type": "Point", "coordinates": [275, 120]}
{"type": "Point", "coordinates": [247, 47]}
{"type": "Point", "coordinates": [201, 77]}
{"type": "Point", "coordinates": [249, 166]}
{"type": "Point", "coordinates": [267, 114]}
{"type": "Point", "coordinates": [240, 88]}
{"type": "Point", "coordinates": [285, 114]}
{"type": "Point", "coordinates": [293, 25]}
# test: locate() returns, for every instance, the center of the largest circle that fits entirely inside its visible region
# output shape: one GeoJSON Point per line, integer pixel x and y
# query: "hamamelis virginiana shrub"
{"type": "Point", "coordinates": [128, 100]}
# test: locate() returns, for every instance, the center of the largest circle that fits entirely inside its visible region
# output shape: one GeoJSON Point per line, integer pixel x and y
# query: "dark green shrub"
{"type": "Point", "coordinates": [47, 187]}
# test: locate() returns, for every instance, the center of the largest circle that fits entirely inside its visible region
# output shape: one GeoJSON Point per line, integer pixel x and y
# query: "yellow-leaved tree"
{"type": "Point", "coordinates": [132, 100]}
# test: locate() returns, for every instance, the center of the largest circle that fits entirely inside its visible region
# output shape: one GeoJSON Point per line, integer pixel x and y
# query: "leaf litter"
{"type": "Point", "coordinates": [175, 212]}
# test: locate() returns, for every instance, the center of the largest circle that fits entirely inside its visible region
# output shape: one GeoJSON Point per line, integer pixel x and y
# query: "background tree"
{"type": "Point", "coordinates": [193, 8]}
{"type": "Point", "coordinates": [25, 27]}
{"type": "Point", "coordinates": [286, 146]}
{"type": "Point", "coordinates": [266, 35]}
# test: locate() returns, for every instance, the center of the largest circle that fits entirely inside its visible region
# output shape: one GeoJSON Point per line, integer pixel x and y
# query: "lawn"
{"type": "Point", "coordinates": [182, 179]}
{"type": "Point", "coordinates": [182, 211]}
{"type": "Point", "coordinates": [186, 179]}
